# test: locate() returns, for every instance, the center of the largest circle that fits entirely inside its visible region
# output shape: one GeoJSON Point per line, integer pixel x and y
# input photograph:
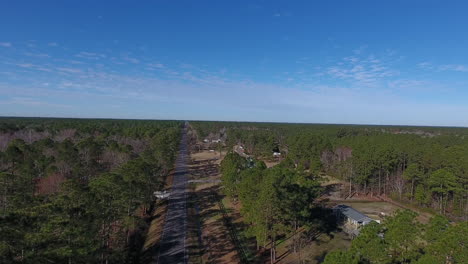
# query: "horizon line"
{"type": "Point", "coordinates": [236, 121]}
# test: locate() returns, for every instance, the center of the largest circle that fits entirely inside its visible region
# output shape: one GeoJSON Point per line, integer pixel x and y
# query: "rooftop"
{"type": "Point", "coordinates": [353, 214]}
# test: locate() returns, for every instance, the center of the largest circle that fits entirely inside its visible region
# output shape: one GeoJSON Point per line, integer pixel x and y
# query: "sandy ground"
{"type": "Point", "coordinates": [216, 244]}
{"type": "Point", "coordinates": [206, 156]}
{"type": "Point", "coordinates": [270, 163]}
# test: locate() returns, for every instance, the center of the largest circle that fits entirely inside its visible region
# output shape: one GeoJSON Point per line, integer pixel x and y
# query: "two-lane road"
{"type": "Point", "coordinates": [172, 245]}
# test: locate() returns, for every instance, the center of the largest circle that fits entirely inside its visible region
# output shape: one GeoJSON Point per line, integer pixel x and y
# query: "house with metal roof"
{"type": "Point", "coordinates": [351, 216]}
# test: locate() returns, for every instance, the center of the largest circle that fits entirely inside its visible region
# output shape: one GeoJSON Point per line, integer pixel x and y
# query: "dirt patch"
{"type": "Point", "coordinates": [218, 244]}
{"type": "Point", "coordinates": [271, 163]}
{"type": "Point", "coordinates": [208, 156]}
{"type": "Point", "coordinates": [212, 233]}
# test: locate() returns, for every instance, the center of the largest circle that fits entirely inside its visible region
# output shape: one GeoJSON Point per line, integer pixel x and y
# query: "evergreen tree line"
{"type": "Point", "coordinates": [427, 166]}
{"type": "Point", "coordinates": [428, 170]}
{"type": "Point", "coordinates": [81, 199]}
{"type": "Point", "coordinates": [275, 202]}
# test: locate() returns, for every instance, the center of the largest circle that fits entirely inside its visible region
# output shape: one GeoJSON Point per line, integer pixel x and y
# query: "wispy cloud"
{"type": "Point", "coordinates": [425, 65]}
{"type": "Point", "coordinates": [69, 70]}
{"type": "Point", "coordinates": [130, 59]}
{"type": "Point", "coordinates": [191, 90]}
{"type": "Point", "coordinates": [90, 55]}
{"type": "Point", "coordinates": [34, 67]}
{"type": "Point", "coordinates": [29, 101]}
{"type": "Point", "coordinates": [37, 55]}
{"type": "Point", "coordinates": [282, 14]}
{"type": "Point", "coordinates": [454, 67]}
{"type": "Point", "coordinates": [414, 86]}
{"type": "Point", "coordinates": [367, 71]}
{"type": "Point", "coordinates": [155, 66]}
{"type": "Point", "coordinates": [443, 67]}
{"type": "Point", "coordinates": [6, 44]}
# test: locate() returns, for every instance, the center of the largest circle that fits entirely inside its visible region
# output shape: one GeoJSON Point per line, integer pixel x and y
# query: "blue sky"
{"type": "Point", "coordinates": [361, 62]}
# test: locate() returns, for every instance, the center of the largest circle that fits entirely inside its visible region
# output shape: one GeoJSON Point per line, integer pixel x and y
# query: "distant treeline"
{"type": "Point", "coordinates": [76, 190]}
{"type": "Point", "coordinates": [427, 166]}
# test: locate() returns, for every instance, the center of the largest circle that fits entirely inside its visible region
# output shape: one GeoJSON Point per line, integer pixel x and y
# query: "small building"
{"type": "Point", "coordinates": [161, 194]}
{"type": "Point", "coordinates": [351, 216]}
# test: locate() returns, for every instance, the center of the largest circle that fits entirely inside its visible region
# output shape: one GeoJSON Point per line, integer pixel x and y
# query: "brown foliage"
{"type": "Point", "coordinates": [49, 184]}
{"type": "Point", "coordinates": [330, 158]}
{"type": "Point", "coordinates": [65, 134]}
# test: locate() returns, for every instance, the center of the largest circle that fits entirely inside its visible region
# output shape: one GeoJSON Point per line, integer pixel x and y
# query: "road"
{"type": "Point", "coordinates": [172, 244]}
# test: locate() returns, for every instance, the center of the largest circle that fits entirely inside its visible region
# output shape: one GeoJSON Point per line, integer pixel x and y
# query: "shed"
{"type": "Point", "coordinates": [351, 215]}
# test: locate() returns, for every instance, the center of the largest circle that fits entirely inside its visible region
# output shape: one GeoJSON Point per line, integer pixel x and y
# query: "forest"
{"type": "Point", "coordinates": [424, 166]}
{"type": "Point", "coordinates": [402, 239]}
{"type": "Point", "coordinates": [275, 201]}
{"type": "Point", "coordinates": [77, 190]}
{"type": "Point", "coordinates": [418, 166]}
{"type": "Point", "coordinates": [80, 190]}
{"type": "Point", "coordinates": [279, 202]}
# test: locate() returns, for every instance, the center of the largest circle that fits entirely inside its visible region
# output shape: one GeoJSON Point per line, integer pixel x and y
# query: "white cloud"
{"type": "Point", "coordinates": [69, 70]}
{"type": "Point", "coordinates": [30, 101]}
{"type": "Point", "coordinates": [90, 55]}
{"type": "Point", "coordinates": [444, 67]}
{"type": "Point", "coordinates": [362, 71]}
{"type": "Point", "coordinates": [6, 44]}
{"type": "Point", "coordinates": [155, 67]}
{"type": "Point", "coordinates": [34, 67]}
{"type": "Point", "coordinates": [220, 94]}
{"type": "Point", "coordinates": [131, 59]}
{"type": "Point", "coordinates": [37, 55]}
{"type": "Point", "coordinates": [425, 65]}
{"type": "Point", "coordinates": [454, 67]}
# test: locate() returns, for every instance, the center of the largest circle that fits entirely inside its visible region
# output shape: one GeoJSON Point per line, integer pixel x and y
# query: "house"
{"type": "Point", "coordinates": [240, 150]}
{"type": "Point", "coordinates": [352, 218]}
